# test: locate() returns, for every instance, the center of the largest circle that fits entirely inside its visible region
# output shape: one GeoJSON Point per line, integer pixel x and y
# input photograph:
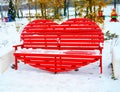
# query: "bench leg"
{"type": "Point", "coordinates": [101, 65]}
{"type": "Point", "coordinates": [101, 61]}
{"type": "Point", "coordinates": [16, 64]}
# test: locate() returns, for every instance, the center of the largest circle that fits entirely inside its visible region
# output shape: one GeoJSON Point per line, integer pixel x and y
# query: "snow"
{"type": "Point", "coordinates": [116, 61]}
{"type": "Point", "coordinates": [29, 79]}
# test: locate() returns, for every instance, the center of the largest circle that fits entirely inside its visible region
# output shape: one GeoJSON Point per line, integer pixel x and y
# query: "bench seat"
{"type": "Point", "coordinates": [65, 59]}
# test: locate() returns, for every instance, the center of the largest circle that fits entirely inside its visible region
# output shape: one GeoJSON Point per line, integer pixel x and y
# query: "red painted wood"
{"type": "Point", "coordinates": [81, 38]}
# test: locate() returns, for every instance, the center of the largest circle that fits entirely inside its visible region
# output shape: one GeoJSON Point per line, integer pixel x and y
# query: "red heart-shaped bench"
{"type": "Point", "coordinates": [60, 47]}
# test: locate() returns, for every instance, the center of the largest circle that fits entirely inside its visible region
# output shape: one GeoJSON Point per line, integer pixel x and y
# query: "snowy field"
{"type": "Point", "coordinates": [28, 79]}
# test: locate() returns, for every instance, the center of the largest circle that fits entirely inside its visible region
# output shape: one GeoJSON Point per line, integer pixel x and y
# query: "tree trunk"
{"type": "Point", "coordinates": [36, 14]}
{"type": "Point", "coordinates": [90, 3]}
{"type": "Point", "coordinates": [115, 4]}
{"type": "Point", "coordinates": [29, 10]}
{"type": "Point", "coordinates": [65, 7]}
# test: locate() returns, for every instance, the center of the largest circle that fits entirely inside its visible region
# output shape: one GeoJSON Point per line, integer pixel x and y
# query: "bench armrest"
{"type": "Point", "coordinates": [101, 45]}
{"type": "Point", "coordinates": [16, 46]}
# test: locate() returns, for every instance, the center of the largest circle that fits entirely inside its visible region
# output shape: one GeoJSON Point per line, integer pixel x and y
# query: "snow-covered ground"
{"type": "Point", "coordinates": [28, 79]}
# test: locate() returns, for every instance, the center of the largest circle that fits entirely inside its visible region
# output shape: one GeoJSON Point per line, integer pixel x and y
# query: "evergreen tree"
{"type": "Point", "coordinates": [11, 11]}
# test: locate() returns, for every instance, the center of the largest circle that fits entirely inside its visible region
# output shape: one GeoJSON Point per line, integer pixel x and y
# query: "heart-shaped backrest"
{"type": "Point", "coordinates": [81, 30]}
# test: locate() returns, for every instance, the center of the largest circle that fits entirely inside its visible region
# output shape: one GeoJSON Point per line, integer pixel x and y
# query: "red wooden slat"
{"type": "Point", "coordinates": [63, 36]}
